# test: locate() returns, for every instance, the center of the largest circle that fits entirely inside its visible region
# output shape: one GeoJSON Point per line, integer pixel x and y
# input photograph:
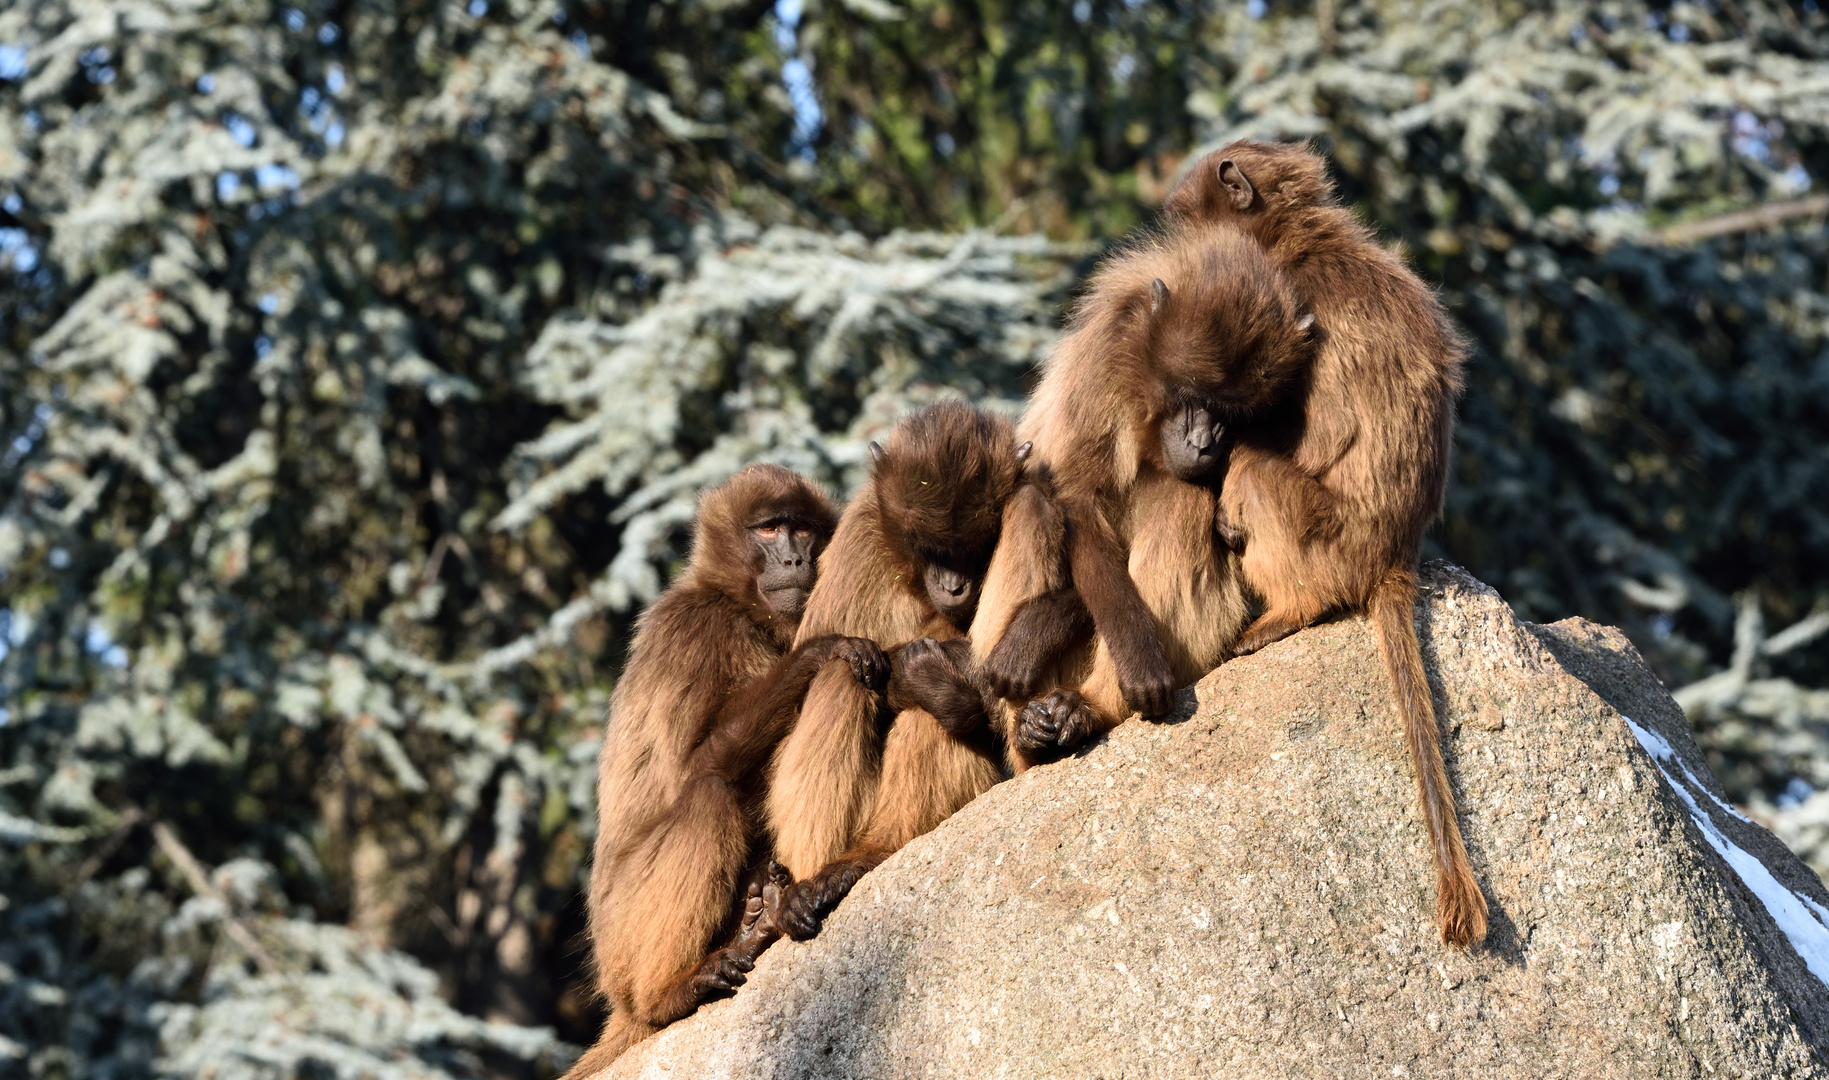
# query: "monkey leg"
{"type": "Point", "coordinates": [669, 899]}
{"type": "Point", "coordinates": [928, 774]}
{"type": "Point", "coordinates": [1186, 578]}
{"type": "Point", "coordinates": [825, 772]}
{"type": "Point", "coordinates": [1301, 577]}
{"type": "Point", "coordinates": [1030, 561]}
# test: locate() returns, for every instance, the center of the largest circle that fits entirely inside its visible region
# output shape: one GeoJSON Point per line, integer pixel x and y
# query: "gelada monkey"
{"type": "Point", "coordinates": [1122, 428]}
{"type": "Point", "coordinates": [712, 682]}
{"type": "Point", "coordinates": [1332, 509]}
{"type": "Point", "coordinates": [903, 570]}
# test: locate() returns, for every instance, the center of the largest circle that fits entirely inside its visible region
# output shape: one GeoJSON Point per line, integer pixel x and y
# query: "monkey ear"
{"type": "Point", "coordinates": [1233, 179]}
{"type": "Point", "coordinates": [876, 453]}
{"type": "Point", "coordinates": [1022, 452]}
{"type": "Point", "coordinates": [1306, 324]}
{"type": "Point", "coordinates": [1158, 296]}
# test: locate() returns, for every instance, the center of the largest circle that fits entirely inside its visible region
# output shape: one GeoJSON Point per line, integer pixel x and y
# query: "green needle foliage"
{"type": "Point", "coordinates": [360, 362]}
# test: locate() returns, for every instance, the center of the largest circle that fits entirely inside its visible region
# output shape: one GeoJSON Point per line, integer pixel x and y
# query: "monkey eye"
{"type": "Point", "coordinates": [767, 532]}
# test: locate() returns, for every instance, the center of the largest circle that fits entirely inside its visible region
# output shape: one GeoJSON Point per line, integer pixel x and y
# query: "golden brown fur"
{"type": "Point", "coordinates": [844, 794]}
{"type": "Point", "coordinates": [710, 686]}
{"type": "Point", "coordinates": [1194, 309]}
{"type": "Point", "coordinates": [1333, 506]}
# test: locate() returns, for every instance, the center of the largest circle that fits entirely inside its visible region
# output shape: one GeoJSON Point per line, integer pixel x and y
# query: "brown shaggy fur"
{"type": "Point", "coordinates": [1199, 310]}
{"type": "Point", "coordinates": [710, 687]}
{"type": "Point", "coordinates": [1334, 506]}
{"type": "Point", "coordinates": [845, 795]}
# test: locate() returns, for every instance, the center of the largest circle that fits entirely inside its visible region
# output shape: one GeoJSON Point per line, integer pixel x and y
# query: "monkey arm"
{"type": "Point", "coordinates": [1261, 482]}
{"type": "Point", "coordinates": [757, 716]}
{"type": "Point", "coordinates": [936, 676]}
{"type": "Point", "coordinates": [1042, 629]}
{"type": "Point", "coordinates": [1102, 578]}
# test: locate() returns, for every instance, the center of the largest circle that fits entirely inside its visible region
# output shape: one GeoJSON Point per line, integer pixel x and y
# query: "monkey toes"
{"type": "Point", "coordinates": [760, 926]}
{"type": "Point", "coordinates": [723, 971]}
{"type": "Point", "coordinates": [1060, 721]}
{"type": "Point", "coordinates": [805, 904]}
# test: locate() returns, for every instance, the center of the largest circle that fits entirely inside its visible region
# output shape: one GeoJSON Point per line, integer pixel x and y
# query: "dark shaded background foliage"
{"type": "Point", "coordinates": [359, 361]}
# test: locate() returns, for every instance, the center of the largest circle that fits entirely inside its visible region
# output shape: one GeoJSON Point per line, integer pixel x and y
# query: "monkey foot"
{"type": "Point", "coordinates": [760, 926]}
{"type": "Point", "coordinates": [1263, 632]}
{"type": "Point", "coordinates": [1060, 721]}
{"type": "Point", "coordinates": [805, 904]}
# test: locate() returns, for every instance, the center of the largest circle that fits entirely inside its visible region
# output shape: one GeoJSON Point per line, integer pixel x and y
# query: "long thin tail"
{"type": "Point", "coordinates": [1460, 909]}
{"type": "Point", "coordinates": [620, 1032]}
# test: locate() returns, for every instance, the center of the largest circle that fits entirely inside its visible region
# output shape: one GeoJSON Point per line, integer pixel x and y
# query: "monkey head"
{"type": "Point", "coordinates": [1247, 178]}
{"type": "Point", "coordinates": [1221, 328]}
{"type": "Point", "coordinates": [758, 540]}
{"type": "Point", "coordinates": [940, 483]}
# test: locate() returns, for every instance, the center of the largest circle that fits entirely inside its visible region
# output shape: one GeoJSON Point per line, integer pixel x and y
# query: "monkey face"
{"type": "Point", "coordinates": [785, 551]}
{"type": "Point", "coordinates": [953, 592]}
{"type": "Point", "coordinates": [1194, 444]}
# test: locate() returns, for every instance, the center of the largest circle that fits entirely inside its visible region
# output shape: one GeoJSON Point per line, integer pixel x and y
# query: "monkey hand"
{"type": "Point", "coordinates": [926, 675]}
{"type": "Point", "coordinates": [1230, 534]}
{"type": "Point", "coordinates": [1060, 721]}
{"type": "Point", "coordinates": [1147, 683]}
{"type": "Point", "coordinates": [868, 664]}
{"type": "Point", "coordinates": [1013, 672]}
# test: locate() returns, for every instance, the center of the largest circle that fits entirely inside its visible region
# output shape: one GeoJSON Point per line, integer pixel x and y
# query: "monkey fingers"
{"type": "Point", "coordinates": [868, 664]}
{"type": "Point", "coordinates": [1060, 721]}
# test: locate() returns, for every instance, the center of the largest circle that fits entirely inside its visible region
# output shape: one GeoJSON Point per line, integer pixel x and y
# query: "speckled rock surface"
{"type": "Point", "coordinates": [1245, 892]}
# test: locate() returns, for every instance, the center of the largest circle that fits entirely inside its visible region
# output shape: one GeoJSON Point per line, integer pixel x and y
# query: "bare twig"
{"type": "Point", "coordinates": [199, 880]}
{"type": "Point", "coordinates": [1740, 221]}
{"type": "Point", "coordinates": [1802, 632]}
